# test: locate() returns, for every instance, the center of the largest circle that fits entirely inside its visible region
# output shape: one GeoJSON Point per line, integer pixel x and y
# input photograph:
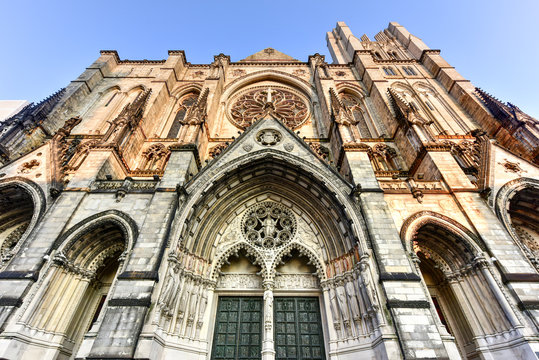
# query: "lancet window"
{"type": "Point", "coordinates": [184, 105]}
{"type": "Point", "coordinates": [354, 105]}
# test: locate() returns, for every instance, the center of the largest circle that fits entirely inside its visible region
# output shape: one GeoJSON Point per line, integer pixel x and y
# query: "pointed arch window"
{"type": "Point", "coordinates": [353, 104]}
{"type": "Point", "coordinates": [185, 104]}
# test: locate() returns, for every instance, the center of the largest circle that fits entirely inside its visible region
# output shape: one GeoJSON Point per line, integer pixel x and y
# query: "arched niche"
{"type": "Point", "coordinates": [84, 265]}
{"type": "Point", "coordinates": [517, 206]}
{"type": "Point", "coordinates": [467, 301]}
{"type": "Point", "coordinates": [22, 204]}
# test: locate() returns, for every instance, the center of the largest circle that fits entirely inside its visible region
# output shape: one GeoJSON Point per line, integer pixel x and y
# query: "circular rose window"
{"type": "Point", "coordinates": [268, 225]}
{"type": "Point", "coordinates": [289, 107]}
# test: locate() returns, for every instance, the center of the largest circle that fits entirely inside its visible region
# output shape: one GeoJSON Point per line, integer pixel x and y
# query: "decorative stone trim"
{"type": "Point", "coordinates": [9, 301]}
{"type": "Point", "coordinates": [385, 276]}
{"type": "Point", "coordinates": [127, 225]}
{"type": "Point", "coordinates": [139, 275]}
{"type": "Point", "coordinates": [19, 275]}
{"type": "Point", "coordinates": [146, 302]}
{"type": "Point", "coordinates": [528, 305]}
{"type": "Point", "coordinates": [408, 304]}
{"type": "Point", "coordinates": [417, 220]}
{"type": "Point", "coordinates": [519, 277]}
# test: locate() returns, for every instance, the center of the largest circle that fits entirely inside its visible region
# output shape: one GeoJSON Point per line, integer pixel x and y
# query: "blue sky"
{"type": "Point", "coordinates": [46, 44]}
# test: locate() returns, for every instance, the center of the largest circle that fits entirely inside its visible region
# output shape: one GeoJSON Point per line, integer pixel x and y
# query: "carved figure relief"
{"type": "Point", "coordinates": [28, 166]}
{"type": "Point", "coordinates": [268, 225]}
{"type": "Point", "coordinates": [268, 137]}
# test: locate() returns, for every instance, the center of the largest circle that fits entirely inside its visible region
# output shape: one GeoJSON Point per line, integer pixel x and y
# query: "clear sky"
{"type": "Point", "coordinates": [46, 44]}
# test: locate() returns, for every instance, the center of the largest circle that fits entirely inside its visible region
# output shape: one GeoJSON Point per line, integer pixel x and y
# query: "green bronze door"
{"type": "Point", "coordinates": [238, 329]}
{"type": "Point", "coordinates": [298, 329]}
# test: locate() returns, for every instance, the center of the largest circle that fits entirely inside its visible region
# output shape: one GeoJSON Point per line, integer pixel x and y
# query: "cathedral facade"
{"type": "Point", "coordinates": [378, 207]}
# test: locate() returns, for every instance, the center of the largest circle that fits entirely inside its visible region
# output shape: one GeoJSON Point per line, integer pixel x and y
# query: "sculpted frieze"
{"type": "Point", "coordinates": [239, 281]}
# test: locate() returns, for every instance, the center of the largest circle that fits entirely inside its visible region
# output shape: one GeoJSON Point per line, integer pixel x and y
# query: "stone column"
{"type": "Point", "coordinates": [268, 345]}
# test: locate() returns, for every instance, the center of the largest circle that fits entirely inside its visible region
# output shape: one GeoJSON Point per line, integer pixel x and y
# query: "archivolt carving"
{"type": "Point", "coordinates": [40, 204]}
{"type": "Point", "coordinates": [217, 150]}
{"type": "Point", "coordinates": [127, 225]}
{"type": "Point", "coordinates": [221, 170]}
{"type": "Point", "coordinates": [503, 200]}
{"type": "Point", "coordinates": [416, 221]}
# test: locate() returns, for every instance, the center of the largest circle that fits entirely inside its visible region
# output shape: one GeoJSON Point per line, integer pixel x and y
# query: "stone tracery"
{"type": "Point", "coordinates": [268, 225]}
{"type": "Point", "coordinates": [285, 104]}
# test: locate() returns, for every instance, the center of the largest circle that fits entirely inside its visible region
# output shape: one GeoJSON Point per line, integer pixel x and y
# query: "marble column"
{"type": "Point", "coordinates": [268, 345]}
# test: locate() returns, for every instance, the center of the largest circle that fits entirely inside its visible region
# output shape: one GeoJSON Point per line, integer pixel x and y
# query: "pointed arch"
{"type": "Point", "coordinates": [180, 105]}
{"type": "Point", "coordinates": [124, 222]}
{"type": "Point", "coordinates": [22, 205]}
{"type": "Point", "coordinates": [516, 207]}
{"type": "Point", "coordinates": [413, 224]}
{"type": "Point", "coordinates": [235, 248]}
{"type": "Point", "coordinates": [85, 264]}
{"type": "Point", "coordinates": [465, 295]}
{"type": "Point", "coordinates": [303, 250]}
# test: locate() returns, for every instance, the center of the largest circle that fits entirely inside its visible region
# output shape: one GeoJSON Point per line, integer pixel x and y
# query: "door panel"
{"type": "Point", "coordinates": [238, 329]}
{"type": "Point", "coordinates": [298, 329]}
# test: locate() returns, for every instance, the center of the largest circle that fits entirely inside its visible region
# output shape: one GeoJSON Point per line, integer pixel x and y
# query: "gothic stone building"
{"type": "Point", "coordinates": [379, 207]}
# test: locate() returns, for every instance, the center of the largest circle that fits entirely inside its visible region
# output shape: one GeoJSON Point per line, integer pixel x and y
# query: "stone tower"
{"type": "Point", "coordinates": [377, 207]}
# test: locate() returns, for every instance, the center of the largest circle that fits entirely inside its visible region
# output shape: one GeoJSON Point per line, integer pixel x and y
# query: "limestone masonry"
{"type": "Point", "coordinates": [378, 207]}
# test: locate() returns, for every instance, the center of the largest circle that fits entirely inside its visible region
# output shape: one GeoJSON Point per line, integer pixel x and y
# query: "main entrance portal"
{"type": "Point", "coordinates": [298, 329]}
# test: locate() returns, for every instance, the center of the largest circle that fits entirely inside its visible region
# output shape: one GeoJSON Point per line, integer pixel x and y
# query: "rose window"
{"type": "Point", "coordinates": [287, 106]}
{"type": "Point", "coordinates": [268, 225]}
